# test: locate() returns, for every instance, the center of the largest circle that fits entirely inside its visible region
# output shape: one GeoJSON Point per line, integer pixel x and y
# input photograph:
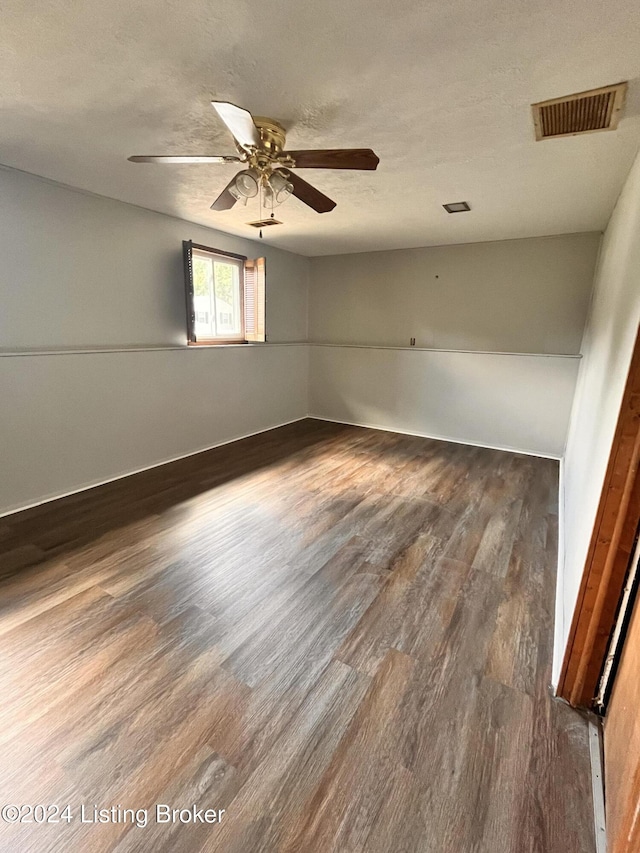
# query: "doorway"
{"type": "Point", "coordinates": [602, 662]}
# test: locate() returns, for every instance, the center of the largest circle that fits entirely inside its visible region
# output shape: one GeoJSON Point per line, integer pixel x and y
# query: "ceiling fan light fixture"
{"type": "Point", "coordinates": [247, 183]}
{"type": "Point", "coordinates": [233, 190]}
{"type": "Point", "coordinates": [280, 187]}
{"type": "Point", "coordinates": [268, 196]}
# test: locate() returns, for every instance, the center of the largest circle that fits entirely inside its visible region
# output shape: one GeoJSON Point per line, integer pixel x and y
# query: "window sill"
{"type": "Point", "coordinates": [205, 343]}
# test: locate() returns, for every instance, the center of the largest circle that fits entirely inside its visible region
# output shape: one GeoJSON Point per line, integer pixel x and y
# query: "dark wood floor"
{"type": "Point", "coordinates": [340, 636]}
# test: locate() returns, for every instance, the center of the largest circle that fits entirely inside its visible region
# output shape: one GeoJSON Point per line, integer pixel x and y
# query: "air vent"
{"type": "Point", "coordinates": [586, 112]}
{"type": "Point", "coordinates": [263, 223]}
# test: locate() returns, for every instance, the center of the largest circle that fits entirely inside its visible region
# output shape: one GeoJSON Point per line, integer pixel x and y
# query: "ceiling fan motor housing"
{"type": "Point", "coordinates": [272, 135]}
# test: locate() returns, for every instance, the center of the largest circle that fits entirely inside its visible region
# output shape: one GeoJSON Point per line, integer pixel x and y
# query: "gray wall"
{"type": "Point", "coordinates": [608, 346]}
{"type": "Point", "coordinates": [514, 402]}
{"type": "Point", "coordinates": [74, 420]}
{"type": "Point", "coordinates": [513, 296]}
{"type": "Point", "coordinates": [82, 272]}
{"type": "Point", "coordinates": [518, 296]}
{"type": "Point", "coordinates": [79, 271]}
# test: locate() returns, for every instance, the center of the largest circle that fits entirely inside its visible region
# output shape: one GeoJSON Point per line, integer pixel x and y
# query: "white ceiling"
{"type": "Point", "coordinates": [440, 90]}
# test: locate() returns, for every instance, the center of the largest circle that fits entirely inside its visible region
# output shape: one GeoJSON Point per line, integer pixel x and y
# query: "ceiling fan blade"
{"type": "Point", "coordinates": [335, 158]}
{"type": "Point", "coordinates": [239, 122]}
{"type": "Point", "coordinates": [225, 200]}
{"type": "Point", "coordinates": [310, 195]}
{"type": "Point", "coordinates": [195, 158]}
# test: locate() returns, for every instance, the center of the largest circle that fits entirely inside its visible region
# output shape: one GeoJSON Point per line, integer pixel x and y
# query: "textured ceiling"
{"type": "Point", "coordinates": [440, 90]}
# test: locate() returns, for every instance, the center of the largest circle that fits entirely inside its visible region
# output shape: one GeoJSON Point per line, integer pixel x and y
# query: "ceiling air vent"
{"type": "Point", "coordinates": [263, 223]}
{"type": "Point", "coordinates": [586, 112]}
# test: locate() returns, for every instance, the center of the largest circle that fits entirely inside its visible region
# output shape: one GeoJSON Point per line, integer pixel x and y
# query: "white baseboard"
{"type": "Point", "coordinates": [92, 485]}
{"type": "Point", "coordinates": [558, 622]}
{"type": "Point", "coordinates": [506, 448]}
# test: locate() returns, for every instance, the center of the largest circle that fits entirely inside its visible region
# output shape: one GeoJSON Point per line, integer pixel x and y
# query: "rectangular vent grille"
{"type": "Point", "coordinates": [586, 112]}
{"type": "Point", "coordinates": [264, 223]}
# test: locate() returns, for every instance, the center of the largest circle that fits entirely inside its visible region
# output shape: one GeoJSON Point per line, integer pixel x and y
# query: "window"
{"type": "Point", "coordinates": [225, 296]}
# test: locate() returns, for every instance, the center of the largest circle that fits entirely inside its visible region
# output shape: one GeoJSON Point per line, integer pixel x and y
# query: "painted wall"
{"type": "Point", "coordinates": [78, 271]}
{"type": "Point", "coordinates": [607, 348]}
{"type": "Point", "coordinates": [487, 299]}
{"type": "Point", "coordinates": [513, 296]}
{"type": "Point", "coordinates": [118, 285]}
{"type": "Point", "coordinates": [495, 400]}
{"type": "Point", "coordinates": [73, 420]}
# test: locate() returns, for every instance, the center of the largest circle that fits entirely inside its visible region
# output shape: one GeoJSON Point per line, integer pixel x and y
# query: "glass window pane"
{"type": "Point", "coordinates": [216, 297]}
{"type": "Point", "coordinates": [227, 298]}
{"type": "Point", "coordinates": [203, 296]}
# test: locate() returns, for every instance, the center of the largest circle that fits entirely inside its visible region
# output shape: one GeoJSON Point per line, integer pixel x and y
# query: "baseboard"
{"type": "Point", "coordinates": [505, 448]}
{"type": "Point", "coordinates": [95, 483]}
{"type": "Point", "coordinates": [558, 622]}
{"type": "Point", "coordinates": [85, 487]}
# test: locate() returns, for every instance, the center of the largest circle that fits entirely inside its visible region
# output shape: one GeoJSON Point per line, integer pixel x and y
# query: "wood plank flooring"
{"type": "Point", "coordinates": [341, 637]}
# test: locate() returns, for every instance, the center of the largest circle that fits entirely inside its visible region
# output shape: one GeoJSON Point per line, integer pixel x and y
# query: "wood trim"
{"type": "Point", "coordinates": [628, 837]}
{"type": "Point", "coordinates": [609, 552]}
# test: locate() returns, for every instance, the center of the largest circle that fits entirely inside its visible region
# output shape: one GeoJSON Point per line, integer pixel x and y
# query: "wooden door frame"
{"type": "Point", "coordinates": [609, 552]}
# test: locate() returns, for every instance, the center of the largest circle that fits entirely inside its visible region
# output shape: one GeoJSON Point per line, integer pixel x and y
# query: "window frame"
{"type": "Point", "coordinates": [191, 334]}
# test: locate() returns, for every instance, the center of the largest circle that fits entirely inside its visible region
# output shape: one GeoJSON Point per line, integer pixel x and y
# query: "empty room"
{"type": "Point", "coordinates": [319, 427]}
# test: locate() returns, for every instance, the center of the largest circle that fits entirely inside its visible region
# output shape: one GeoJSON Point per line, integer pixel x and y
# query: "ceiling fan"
{"type": "Point", "coordinates": [261, 147]}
